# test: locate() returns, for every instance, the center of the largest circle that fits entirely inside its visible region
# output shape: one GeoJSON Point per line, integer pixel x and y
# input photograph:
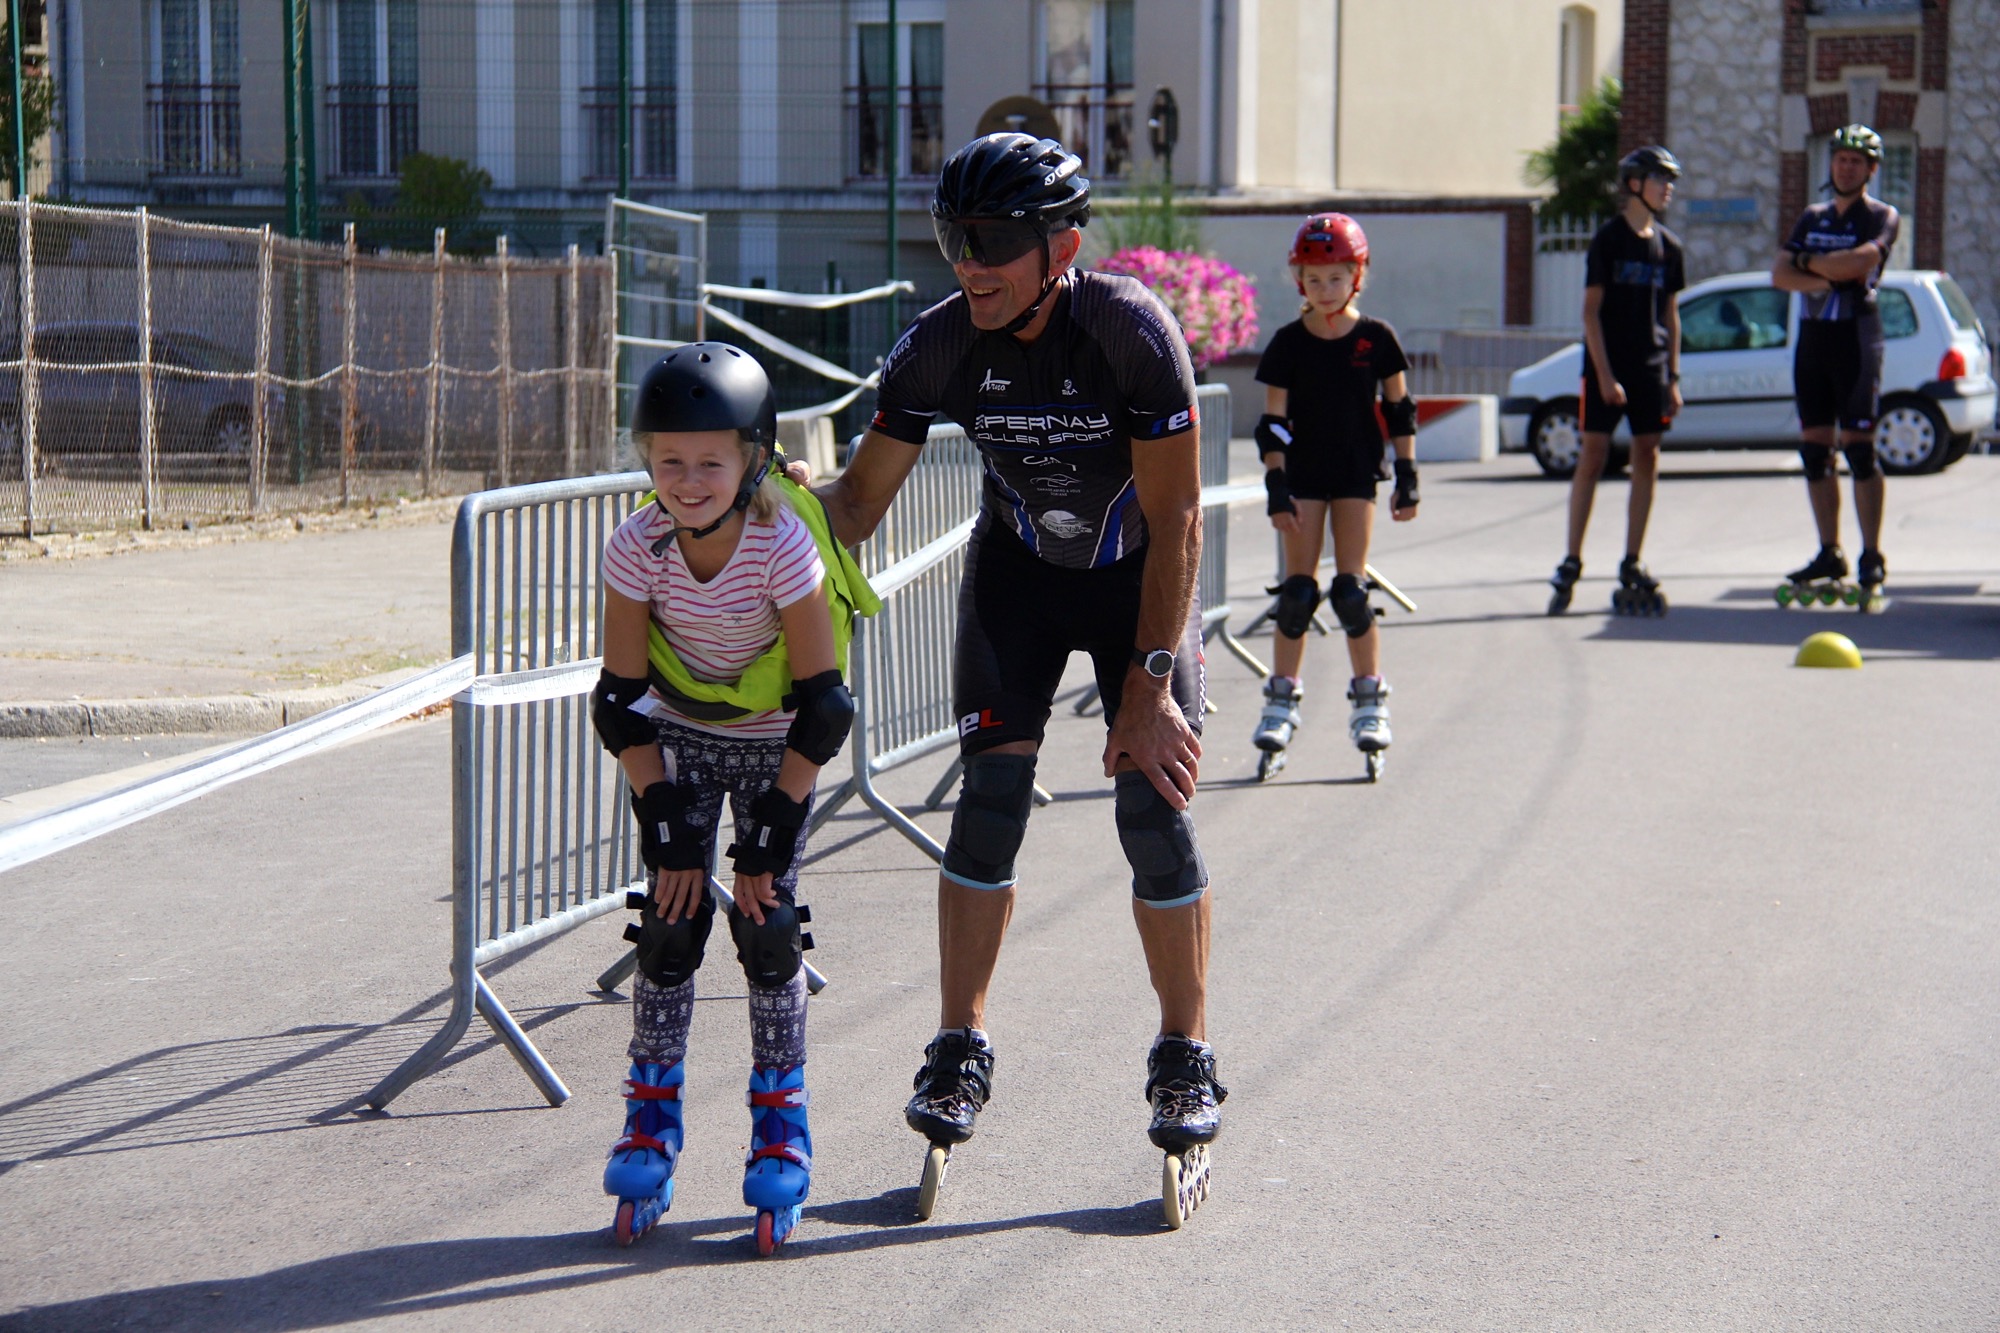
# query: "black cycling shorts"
{"type": "Point", "coordinates": [1648, 402]}
{"type": "Point", "coordinates": [1837, 372]}
{"type": "Point", "coordinates": [1019, 619]}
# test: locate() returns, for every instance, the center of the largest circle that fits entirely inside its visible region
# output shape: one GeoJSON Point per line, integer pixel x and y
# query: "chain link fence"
{"type": "Point", "coordinates": [155, 372]}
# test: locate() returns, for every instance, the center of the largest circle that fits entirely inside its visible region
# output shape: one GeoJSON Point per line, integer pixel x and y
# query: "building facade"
{"type": "Point", "coordinates": [1746, 94]}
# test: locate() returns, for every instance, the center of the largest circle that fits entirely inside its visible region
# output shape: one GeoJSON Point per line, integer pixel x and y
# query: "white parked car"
{"type": "Point", "coordinates": [1737, 335]}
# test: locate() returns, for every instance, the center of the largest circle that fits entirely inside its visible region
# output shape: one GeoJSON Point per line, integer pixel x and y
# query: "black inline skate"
{"type": "Point", "coordinates": [1638, 592]}
{"type": "Point", "coordinates": [1823, 579]}
{"type": "Point", "coordinates": [1181, 1085]}
{"type": "Point", "coordinates": [1870, 572]}
{"type": "Point", "coordinates": [951, 1090]}
{"type": "Point", "coordinates": [1564, 582]}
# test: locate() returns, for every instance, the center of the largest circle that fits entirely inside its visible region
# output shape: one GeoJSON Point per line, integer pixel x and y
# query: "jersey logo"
{"type": "Point", "coordinates": [1069, 388]}
{"type": "Point", "coordinates": [978, 721]}
{"type": "Point", "coordinates": [992, 385]}
{"type": "Point", "coordinates": [1057, 484]}
{"type": "Point", "coordinates": [1062, 523]}
{"type": "Point", "coordinates": [1175, 424]}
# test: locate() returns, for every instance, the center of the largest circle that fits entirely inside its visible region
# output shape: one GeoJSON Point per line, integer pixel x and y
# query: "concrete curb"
{"type": "Point", "coordinates": [229, 714]}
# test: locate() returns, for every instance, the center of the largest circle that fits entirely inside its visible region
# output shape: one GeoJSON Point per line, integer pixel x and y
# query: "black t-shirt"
{"type": "Point", "coordinates": [1055, 419]}
{"type": "Point", "coordinates": [1823, 229]}
{"type": "Point", "coordinates": [1330, 386]}
{"type": "Point", "coordinates": [1639, 275]}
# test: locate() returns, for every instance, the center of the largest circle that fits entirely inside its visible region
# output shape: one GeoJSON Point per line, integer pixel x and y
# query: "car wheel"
{"type": "Point", "coordinates": [229, 433]}
{"type": "Point", "coordinates": [1958, 447]}
{"type": "Point", "coordinates": [1910, 437]}
{"type": "Point", "coordinates": [1555, 437]}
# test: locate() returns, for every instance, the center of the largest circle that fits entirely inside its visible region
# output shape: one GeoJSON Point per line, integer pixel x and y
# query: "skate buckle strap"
{"type": "Point", "coordinates": [795, 1099]}
{"type": "Point", "coordinates": [637, 1140]}
{"type": "Point", "coordinates": [783, 1151]}
{"type": "Point", "coordinates": [647, 1092]}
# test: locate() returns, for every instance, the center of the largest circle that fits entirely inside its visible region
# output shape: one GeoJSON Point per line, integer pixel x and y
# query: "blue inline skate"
{"type": "Point", "coordinates": [777, 1171]}
{"type": "Point", "coordinates": [641, 1170]}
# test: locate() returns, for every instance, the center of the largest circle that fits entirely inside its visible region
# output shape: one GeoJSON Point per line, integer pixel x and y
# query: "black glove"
{"type": "Point", "coordinates": [667, 841]}
{"type": "Point", "coordinates": [1278, 493]}
{"type": "Point", "coordinates": [1405, 496]}
{"type": "Point", "coordinates": [768, 846]}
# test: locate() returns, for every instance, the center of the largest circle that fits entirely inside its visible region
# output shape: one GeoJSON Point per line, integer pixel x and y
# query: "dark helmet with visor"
{"type": "Point", "coordinates": [712, 386]}
{"type": "Point", "coordinates": [1642, 163]}
{"type": "Point", "coordinates": [1001, 195]}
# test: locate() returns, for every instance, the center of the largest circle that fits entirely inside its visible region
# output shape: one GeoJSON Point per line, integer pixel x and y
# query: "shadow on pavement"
{"type": "Point", "coordinates": [1911, 627]}
{"type": "Point", "coordinates": [448, 1274]}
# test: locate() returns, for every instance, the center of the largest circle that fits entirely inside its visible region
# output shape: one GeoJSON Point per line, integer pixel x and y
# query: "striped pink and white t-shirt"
{"type": "Point", "coordinates": [720, 627]}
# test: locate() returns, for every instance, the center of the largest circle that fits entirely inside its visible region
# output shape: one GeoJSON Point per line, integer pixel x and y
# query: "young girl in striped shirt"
{"type": "Point", "coordinates": [720, 678]}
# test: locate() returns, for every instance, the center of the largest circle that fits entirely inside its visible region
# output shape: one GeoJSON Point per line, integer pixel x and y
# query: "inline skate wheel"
{"type": "Point", "coordinates": [621, 1226]}
{"type": "Point", "coordinates": [1269, 764]}
{"type": "Point", "coordinates": [1183, 1185]}
{"type": "Point", "coordinates": [1851, 596]}
{"type": "Point", "coordinates": [1784, 594]}
{"type": "Point", "coordinates": [935, 1164]}
{"type": "Point", "coordinates": [1376, 762]}
{"type": "Point", "coordinates": [1830, 597]}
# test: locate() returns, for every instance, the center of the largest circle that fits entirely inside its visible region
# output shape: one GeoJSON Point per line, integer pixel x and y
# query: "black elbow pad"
{"type": "Point", "coordinates": [1273, 434]}
{"type": "Point", "coordinates": [611, 712]}
{"type": "Point", "coordinates": [1401, 416]}
{"type": "Point", "coordinates": [825, 712]}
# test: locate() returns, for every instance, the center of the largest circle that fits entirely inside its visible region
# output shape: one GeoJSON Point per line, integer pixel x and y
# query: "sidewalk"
{"type": "Point", "coordinates": [228, 630]}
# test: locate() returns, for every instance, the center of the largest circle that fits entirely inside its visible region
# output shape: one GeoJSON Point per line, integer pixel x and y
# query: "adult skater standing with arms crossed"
{"type": "Point", "coordinates": [1079, 392]}
{"type": "Point", "coordinates": [1835, 256]}
{"type": "Point", "coordinates": [1322, 451]}
{"type": "Point", "coordinates": [1631, 368]}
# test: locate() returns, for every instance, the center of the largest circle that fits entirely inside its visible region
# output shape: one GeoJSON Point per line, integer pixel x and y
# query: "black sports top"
{"type": "Point", "coordinates": [1054, 419]}
{"type": "Point", "coordinates": [1638, 276]}
{"type": "Point", "coordinates": [1330, 386]}
{"type": "Point", "coordinates": [1824, 229]}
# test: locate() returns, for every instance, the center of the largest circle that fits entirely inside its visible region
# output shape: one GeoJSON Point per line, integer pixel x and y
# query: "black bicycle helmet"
{"type": "Point", "coordinates": [1011, 175]}
{"type": "Point", "coordinates": [1857, 139]}
{"type": "Point", "coordinates": [1652, 160]}
{"type": "Point", "coordinates": [711, 386]}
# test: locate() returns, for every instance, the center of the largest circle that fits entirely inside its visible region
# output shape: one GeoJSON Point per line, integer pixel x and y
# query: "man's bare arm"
{"type": "Point", "coordinates": [1789, 279]}
{"type": "Point", "coordinates": [856, 499]}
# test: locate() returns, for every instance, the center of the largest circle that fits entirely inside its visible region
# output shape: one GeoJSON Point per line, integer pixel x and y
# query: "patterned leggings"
{"type": "Point", "coordinates": [709, 767]}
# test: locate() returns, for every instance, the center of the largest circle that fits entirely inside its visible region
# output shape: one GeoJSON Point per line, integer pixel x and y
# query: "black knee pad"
{"type": "Point", "coordinates": [991, 819]}
{"type": "Point", "coordinates": [1167, 869]}
{"type": "Point", "coordinates": [770, 953]}
{"type": "Point", "coordinates": [669, 955]}
{"type": "Point", "coordinates": [1349, 601]}
{"type": "Point", "coordinates": [1298, 598]}
{"type": "Point", "coordinates": [1818, 461]}
{"type": "Point", "coordinates": [1861, 459]}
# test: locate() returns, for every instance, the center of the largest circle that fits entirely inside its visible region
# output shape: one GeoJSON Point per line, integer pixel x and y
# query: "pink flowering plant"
{"type": "Point", "coordinates": [1214, 302]}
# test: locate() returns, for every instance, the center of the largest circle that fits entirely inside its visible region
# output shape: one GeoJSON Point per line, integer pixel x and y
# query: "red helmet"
{"type": "Point", "coordinates": [1329, 238]}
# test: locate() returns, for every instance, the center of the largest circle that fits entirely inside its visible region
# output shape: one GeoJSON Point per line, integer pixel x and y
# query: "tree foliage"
{"type": "Point", "coordinates": [432, 192]}
{"type": "Point", "coordinates": [38, 94]}
{"type": "Point", "coordinates": [1581, 165]}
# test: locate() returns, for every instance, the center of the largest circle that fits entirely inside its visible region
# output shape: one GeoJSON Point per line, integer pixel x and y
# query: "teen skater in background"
{"type": "Point", "coordinates": [721, 677]}
{"type": "Point", "coordinates": [1631, 368]}
{"type": "Point", "coordinates": [1835, 255]}
{"type": "Point", "coordinates": [1323, 456]}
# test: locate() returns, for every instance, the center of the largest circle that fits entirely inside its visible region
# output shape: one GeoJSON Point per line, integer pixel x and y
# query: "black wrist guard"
{"type": "Point", "coordinates": [1273, 435]}
{"type": "Point", "coordinates": [1400, 416]}
{"type": "Point", "coordinates": [667, 841]}
{"type": "Point", "coordinates": [1405, 496]}
{"type": "Point", "coordinates": [611, 712]}
{"type": "Point", "coordinates": [772, 840]}
{"type": "Point", "coordinates": [1278, 492]}
{"type": "Point", "coordinates": [1802, 260]}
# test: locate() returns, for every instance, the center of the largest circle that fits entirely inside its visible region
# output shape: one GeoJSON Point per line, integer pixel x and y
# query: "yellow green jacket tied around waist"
{"type": "Point", "coordinates": [766, 682]}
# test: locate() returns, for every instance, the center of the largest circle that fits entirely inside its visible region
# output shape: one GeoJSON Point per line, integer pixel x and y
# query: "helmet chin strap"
{"type": "Point", "coordinates": [1027, 317]}
{"type": "Point", "coordinates": [742, 502]}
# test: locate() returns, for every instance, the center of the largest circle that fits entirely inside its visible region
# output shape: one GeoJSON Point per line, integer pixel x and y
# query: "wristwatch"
{"type": "Point", "coordinates": [1159, 663]}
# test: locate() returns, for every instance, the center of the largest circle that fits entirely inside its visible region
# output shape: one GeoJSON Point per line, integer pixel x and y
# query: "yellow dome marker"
{"type": "Point", "coordinates": [1827, 649]}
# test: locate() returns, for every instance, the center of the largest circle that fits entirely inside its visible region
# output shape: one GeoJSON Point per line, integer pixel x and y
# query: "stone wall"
{"type": "Point", "coordinates": [1972, 171]}
{"type": "Point", "coordinates": [1724, 122]}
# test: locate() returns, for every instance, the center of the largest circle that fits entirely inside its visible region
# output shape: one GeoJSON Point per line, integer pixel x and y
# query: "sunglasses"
{"type": "Point", "coordinates": [989, 241]}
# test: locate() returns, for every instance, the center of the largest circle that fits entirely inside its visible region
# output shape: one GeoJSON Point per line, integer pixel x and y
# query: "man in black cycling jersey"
{"type": "Point", "coordinates": [1835, 255]}
{"type": "Point", "coordinates": [1079, 392]}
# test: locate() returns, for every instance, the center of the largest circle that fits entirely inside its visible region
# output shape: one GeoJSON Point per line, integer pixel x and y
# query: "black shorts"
{"type": "Point", "coordinates": [1837, 372]}
{"type": "Point", "coordinates": [1318, 472]}
{"type": "Point", "coordinates": [1019, 619]}
{"type": "Point", "coordinates": [1648, 402]}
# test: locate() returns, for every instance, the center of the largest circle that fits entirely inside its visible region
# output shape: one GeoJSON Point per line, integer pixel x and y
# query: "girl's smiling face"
{"type": "Point", "coordinates": [697, 473]}
{"type": "Point", "coordinates": [1329, 287]}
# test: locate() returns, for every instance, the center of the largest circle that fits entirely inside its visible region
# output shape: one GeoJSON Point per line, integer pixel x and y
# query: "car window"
{"type": "Point", "coordinates": [197, 354]}
{"type": "Point", "coordinates": [1740, 319]}
{"type": "Point", "coordinates": [1899, 315]}
{"type": "Point", "coordinates": [1960, 309]}
{"type": "Point", "coordinates": [94, 346]}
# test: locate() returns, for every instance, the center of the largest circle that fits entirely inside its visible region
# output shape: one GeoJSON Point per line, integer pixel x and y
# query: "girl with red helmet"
{"type": "Point", "coordinates": [1322, 446]}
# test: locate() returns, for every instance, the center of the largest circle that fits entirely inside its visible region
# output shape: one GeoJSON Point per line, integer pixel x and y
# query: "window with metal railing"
{"type": "Point", "coordinates": [1087, 81]}
{"type": "Point", "coordinates": [653, 70]}
{"type": "Point", "coordinates": [911, 99]}
{"type": "Point", "coordinates": [371, 98]}
{"type": "Point", "coordinates": [194, 99]}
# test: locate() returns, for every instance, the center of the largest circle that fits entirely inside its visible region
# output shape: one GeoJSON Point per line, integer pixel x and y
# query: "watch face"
{"type": "Point", "coordinates": [1160, 663]}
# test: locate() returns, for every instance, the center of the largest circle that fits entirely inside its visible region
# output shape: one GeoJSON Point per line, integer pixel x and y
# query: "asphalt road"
{"type": "Point", "coordinates": [1656, 986]}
